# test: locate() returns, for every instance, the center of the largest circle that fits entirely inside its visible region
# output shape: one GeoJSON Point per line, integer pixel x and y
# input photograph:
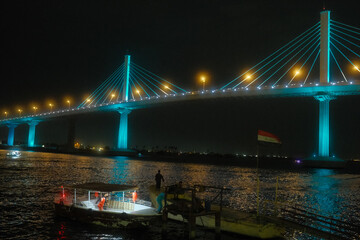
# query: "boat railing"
{"type": "Point", "coordinates": [311, 219]}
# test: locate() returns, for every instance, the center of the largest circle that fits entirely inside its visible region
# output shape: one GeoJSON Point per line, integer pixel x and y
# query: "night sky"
{"type": "Point", "coordinates": [51, 50]}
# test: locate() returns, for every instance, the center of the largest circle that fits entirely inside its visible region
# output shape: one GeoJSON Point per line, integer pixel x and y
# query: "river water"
{"type": "Point", "coordinates": [28, 185]}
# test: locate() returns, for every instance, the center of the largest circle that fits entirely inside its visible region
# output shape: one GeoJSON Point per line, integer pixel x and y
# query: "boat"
{"type": "Point", "coordinates": [231, 220]}
{"type": "Point", "coordinates": [13, 154]}
{"type": "Point", "coordinates": [110, 205]}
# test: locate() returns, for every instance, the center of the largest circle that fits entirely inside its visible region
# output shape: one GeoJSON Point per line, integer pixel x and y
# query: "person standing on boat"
{"type": "Point", "coordinates": [158, 178]}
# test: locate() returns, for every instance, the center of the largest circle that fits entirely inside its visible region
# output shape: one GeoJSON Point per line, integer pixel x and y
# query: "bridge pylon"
{"type": "Point", "coordinates": [123, 126]}
{"type": "Point", "coordinates": [324, 100]}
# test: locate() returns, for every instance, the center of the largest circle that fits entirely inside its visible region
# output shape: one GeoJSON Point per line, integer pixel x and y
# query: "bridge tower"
{"type": "Point", "coordinates": [123, 127]}
{"type": "Point", "coordinates": [324, 99]}
{"type": "Point", "coordinates": [31, 136]}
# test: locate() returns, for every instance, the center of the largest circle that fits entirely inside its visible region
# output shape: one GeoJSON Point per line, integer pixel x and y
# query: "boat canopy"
{"type": "Point", "coordinates": [104, 187]}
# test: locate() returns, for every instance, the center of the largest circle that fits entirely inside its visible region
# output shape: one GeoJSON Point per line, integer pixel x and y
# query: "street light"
{"type": "Point", "coordinates": [203, 80]}
{"type": "Point", "coordinates": [51, 106]}
{"type": "Point", "coordinates": [20, 111]}
{"type": "Point", "coordinates": [35, 108]}
{"type": "Point", "coordinates": [112, 96]}
{"type": "Point", "coordinates": [138, 92]}
{"type": "Point", "coordinates": [357, 68]}
{"type": "Point", "coordinates": [6, 113]}
{"type": "Point", "coordinates": [68, 101]}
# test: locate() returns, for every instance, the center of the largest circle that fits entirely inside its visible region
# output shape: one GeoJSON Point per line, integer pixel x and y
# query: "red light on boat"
{"type": "Point", "coordinates": [134, 196]}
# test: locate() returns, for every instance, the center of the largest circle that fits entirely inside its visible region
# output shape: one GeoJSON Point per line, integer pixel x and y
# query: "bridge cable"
{"type": "Point", "coordinates": [346, 47]}
{"type": "Point", "coordinates": [346, 40]}
{"type": "Point", "coordinates": [103, 93]}
{"type": "Point", "coordinates": [284, 58]}
{"type": "Point", "coordinates": [345, 25]}
{"type": "Point", "coordinates": [104, 84]}
{"type": "Point", "coordinates": [98, 88]}
{"type": "Point", "coordinates": [120, 80]}
{"type": "Point", "coordinates": [139, 78]}
{"type": "Point", "coordinates": [312, 67]}
{"type": "Point", "coordinates": [160, 78]}
{"type": "Point", "coordinates": [138, 71]}
{"type": "Point", "coordinates": [343, 54]}
{"type": "Point", "coordinates": [134, 79]}
{"type": "Point", "coordinates": [313, 35]}
{"type": "Point", "coordinates": [142, 72]}
{"type": "Point", "coordinates": [296, 63]}
{"type": "Point", "coordinates": [303, 63]}
{"type": "Point", "coordinates": [346, 34]}
{"type": "Point", "coordinates": [346, 29]}
{"type": "Point", "coordinates": [338, 65]}
{"type": "Point", "coordinates": [310, 29]}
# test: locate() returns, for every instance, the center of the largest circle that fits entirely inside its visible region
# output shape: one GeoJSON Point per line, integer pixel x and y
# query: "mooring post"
{"type": "Point", "coordinates": [218, 225]}
{"type": "Point", "coordinates": [164, 223]}
{"type": "Point", "coordinates": [192, 217]}
{"type": "Point", "coordinates": [192, 226]}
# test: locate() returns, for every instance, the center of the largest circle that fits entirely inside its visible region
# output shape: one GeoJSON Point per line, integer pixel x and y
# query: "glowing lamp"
{"type": "Point", "coordinates": [248, 76]}
{"type": "Point", "coordinates": [134, 196]}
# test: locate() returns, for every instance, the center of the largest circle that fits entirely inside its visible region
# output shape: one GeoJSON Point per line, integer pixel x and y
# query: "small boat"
{"type": "Point", "coordinates": [13, 154]}
{"type": "Point", "coordinates": [231, 220]}
{"type": "Point", "coordinates": [110, 205]}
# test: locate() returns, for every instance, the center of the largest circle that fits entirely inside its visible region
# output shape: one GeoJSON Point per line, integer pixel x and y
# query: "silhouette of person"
{"type": "Point", "coordinates": [158, 178]}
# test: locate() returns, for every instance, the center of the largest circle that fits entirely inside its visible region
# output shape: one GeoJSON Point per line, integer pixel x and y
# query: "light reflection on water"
{"type": "Point", "coordinates": [29, 183]}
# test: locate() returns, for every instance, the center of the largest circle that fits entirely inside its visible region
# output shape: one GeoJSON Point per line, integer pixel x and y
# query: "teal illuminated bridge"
{"type": "Point", "coordinates": [311, 65]}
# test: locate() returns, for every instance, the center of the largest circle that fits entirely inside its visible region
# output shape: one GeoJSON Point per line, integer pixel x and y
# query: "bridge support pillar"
{"type": "Point", "coordinates": [324, 134]}
{"type": "Point", "coordinates": [31, 137]}
{"type": "Point", "coordinates": [123, 129]}
{"type": "Point", "coordinates": [11, 134]}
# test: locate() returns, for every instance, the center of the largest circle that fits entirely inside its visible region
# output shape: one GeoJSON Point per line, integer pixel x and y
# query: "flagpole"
{"type": "Point", "coordinates": [258, 180]}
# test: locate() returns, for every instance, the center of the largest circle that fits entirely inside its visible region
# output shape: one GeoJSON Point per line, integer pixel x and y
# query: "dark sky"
{"type": "Point", "coordinates": [56, 49]}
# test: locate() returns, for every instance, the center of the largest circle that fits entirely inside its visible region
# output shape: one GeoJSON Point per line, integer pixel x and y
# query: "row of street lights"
{"type": "Point", "coordinates": [203, 80]}
{"type": "Point", "coordinates": [35, 108]}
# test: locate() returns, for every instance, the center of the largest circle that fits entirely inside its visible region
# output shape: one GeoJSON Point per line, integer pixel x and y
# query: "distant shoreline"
{"type": "Point", "coordinates": [289, 163]}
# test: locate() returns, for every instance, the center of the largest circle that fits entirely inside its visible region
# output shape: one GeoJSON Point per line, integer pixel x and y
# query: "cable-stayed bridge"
{"type": "Point", "coordinates": [319, 63]}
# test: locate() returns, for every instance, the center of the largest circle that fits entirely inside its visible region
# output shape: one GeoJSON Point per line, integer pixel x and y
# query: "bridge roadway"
{"type": "Point", "coordinates": [309, 90]}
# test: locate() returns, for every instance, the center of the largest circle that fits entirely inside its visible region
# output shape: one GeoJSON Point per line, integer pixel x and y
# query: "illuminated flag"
{"type": "Point", "coordinates": [267, 137]}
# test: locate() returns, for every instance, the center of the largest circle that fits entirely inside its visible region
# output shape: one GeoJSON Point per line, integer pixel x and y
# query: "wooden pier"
{"type": "Point", "coordinates": [190, 209]}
